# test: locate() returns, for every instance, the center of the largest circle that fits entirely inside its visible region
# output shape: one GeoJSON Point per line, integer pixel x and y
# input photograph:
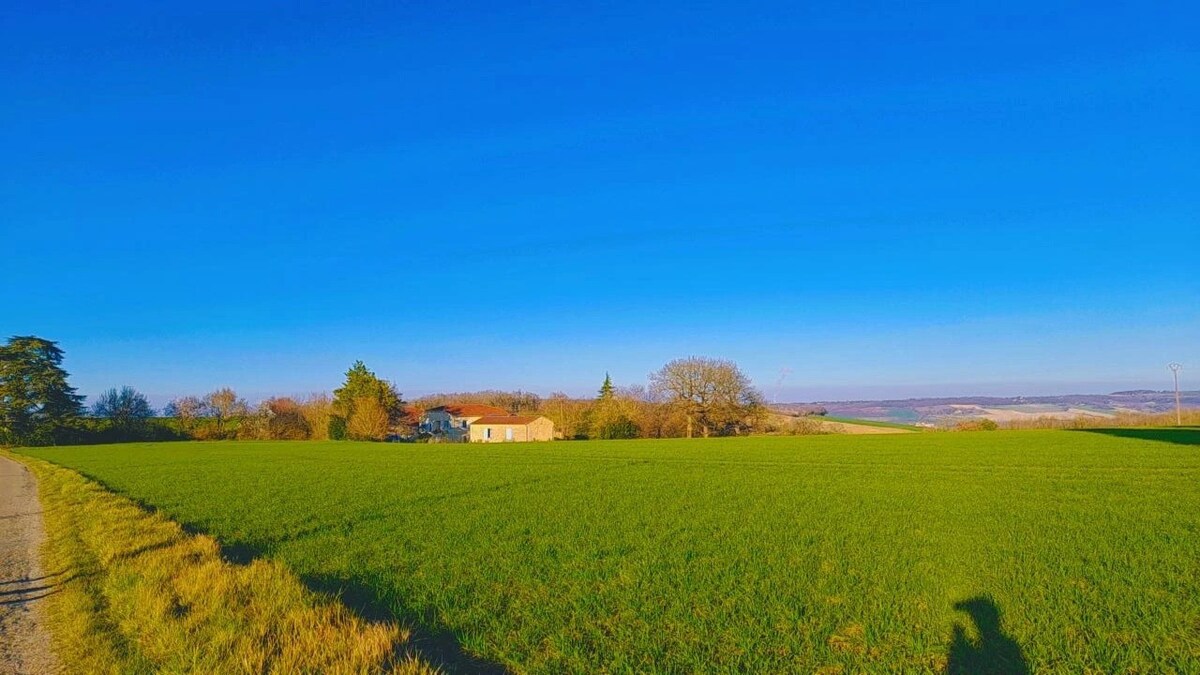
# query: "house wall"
{"type": "Point", "coordinates": [479, 433]}
{"type": "Point", "coordinates": [541, 429]}
{"type": "Point", "coordinates": [452, 427]}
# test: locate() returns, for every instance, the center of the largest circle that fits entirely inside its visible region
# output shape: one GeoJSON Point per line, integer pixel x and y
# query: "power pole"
{"type": "Point", "coordinates": [1175, 367]}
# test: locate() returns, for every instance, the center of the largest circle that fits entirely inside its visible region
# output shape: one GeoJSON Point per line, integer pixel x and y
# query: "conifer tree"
{"type": "Point", "coordinates": [37, 406]}
{"type": "Point", "coordinates": [361, 385]}
{"type": "Point", "coordinates": [607, 391]}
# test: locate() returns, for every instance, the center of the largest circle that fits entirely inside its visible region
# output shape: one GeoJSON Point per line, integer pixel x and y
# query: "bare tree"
{"type": "Point", "coordinates": [187, 410]}
{"type": "Point", "coordinates": [125, 409]}
{"type": "Point", "coordinates": [516, 402]}
{"type": "Point", "coordinates": [224, 404]}
{"type": "Point", "coordinates": [568, 414]}
{"type": "Point", "coordinates": [712, 393]}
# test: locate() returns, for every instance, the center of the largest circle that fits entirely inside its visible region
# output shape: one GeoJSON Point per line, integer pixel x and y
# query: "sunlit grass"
{"type": "Point", "coordinates": [134, 593]}
{"type": "Point", "coordinates": [773, 554]}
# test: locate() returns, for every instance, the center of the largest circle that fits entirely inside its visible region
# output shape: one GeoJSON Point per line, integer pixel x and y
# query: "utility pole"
{"type": "Point", "coordinates": [1175, 367]}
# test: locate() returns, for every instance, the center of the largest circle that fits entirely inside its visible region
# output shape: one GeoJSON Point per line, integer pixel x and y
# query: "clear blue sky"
{"type": "Point", "coordinates": [888, 199]}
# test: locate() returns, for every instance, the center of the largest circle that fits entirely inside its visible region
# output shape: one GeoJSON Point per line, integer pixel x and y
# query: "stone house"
{"type": "Point", "coordinates": [452, 422]}
{"type": "Point", "coordinates": [510, 429]}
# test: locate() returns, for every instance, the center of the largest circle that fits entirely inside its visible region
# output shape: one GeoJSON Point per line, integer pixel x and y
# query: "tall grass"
{"type": "Point", "coordinates": [135, 593]}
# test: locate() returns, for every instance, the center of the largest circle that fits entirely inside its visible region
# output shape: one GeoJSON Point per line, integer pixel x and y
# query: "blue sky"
{"type": "Point", "coordinates": [889, 200]}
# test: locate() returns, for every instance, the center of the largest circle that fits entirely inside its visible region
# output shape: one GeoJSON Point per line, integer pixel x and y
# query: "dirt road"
{"type": "Point", "coordinates": [24, 638]}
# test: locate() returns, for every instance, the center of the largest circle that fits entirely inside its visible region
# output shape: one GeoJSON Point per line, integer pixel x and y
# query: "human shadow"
{"type": "Point", "coordinates": [22, 591]}
{"type": "Point", "coordinates": [1177, 435]}
{"type": "Point", "coordinates": [994, 653]}
{"type": "Point", "coordinates": [25, 599]}
{"type": "Point", "coordinates": [44, 577]}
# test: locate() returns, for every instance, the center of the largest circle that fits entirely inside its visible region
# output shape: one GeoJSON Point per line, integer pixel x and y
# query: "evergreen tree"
{"type": "Point", "coordinates": [607, 390]}
{"type": "Point", "coordinates": [362, 384]}
{"type": "Point", "coordinates": [37, 406]}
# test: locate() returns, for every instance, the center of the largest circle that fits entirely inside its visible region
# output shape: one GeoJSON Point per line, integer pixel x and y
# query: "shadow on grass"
{"type": "Point", "coordinates": [994, 653]}
{"type": "Point", "coordinates": [434, 646]}
{"type": "Point", "coordinates": [439, 648]}
{"type": "Point", "coordinates": [1178, 435]}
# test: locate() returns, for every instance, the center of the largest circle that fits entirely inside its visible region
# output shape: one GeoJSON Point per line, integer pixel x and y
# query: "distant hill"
{"type": "Point", "coordinates": [953, 409]}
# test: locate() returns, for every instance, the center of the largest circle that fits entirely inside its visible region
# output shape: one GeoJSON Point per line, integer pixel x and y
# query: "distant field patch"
{"type": "Point", "coordinates": [850, 421]}
{"type": "Point", "coordinates": [1070, 551]}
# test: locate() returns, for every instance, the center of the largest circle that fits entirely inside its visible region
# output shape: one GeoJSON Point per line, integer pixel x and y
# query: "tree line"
{"type": "Point", "coordinates": [366, 407]}
{"type": "Point", "coordinates": [695, 396]}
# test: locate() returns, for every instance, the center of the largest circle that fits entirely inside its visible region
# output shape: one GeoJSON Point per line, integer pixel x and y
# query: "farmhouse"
{"type": "Point", "coordinates": [452, 422]}
{"type": "Point", "coordinates": [483, 424]}
{"type": "Point", "coordinates": [511, 428]}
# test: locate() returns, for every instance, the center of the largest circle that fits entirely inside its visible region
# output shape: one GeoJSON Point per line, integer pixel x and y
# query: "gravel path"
{"type": "Point", "coordinates": [24, 639]}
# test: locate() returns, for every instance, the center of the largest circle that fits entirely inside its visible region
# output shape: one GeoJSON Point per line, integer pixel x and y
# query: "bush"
{"type": "Point", "coordinates": [337, 428]}
{"type": "Point", "coordinates": [977, 425]}
{"type": "Point", "coordinates": [622, 427]}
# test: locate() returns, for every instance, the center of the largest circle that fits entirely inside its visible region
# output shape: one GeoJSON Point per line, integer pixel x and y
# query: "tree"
{"type": "Point", "coordinates": [711, 393]}
{"type": "Point", "coordinates": [369, 421]}
{"type": "Point", "coordinates": [362, 384]}
{"type": "Point", "coordinates": [224, 405]}
{"type": "Point", "coordinates": [337, 428]}
{"type": "Point", "coordinates": [607, 390]}
{"type": "Point", "coordinates": [282, 419]}
{"type": "Point", "coordinates": [188, 410]}
{"type": "Point", "coordinates": [516, 402]}
{"type": "Point", "coordinates": [125, 409]}
{"type": "Point", "coordinates": [569, 415]}
{"type": "Point", "coordinates": [317, 409]}
{"type": "Point", "coordinates": [37, 406]}
{"type": "Point", "coordinates": [608, 418]}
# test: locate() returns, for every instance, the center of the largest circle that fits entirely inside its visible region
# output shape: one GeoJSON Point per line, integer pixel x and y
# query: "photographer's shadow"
{"type": "Point", "coordinates": [994, 653]}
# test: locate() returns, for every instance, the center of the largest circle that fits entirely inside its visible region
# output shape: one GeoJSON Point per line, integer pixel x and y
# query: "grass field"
{"type": "Point", "coordinates": [1063, 551]}
{"type": "Point", "coordinates": [129, 591]}
{"type": "Point", "coordinates": [870, 423]}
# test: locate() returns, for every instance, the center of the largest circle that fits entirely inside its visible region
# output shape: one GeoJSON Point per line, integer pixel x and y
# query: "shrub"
{"type": "Point", "coordinates": [977, 425]}
{"type": "Point", "coordinates": [337, 428]}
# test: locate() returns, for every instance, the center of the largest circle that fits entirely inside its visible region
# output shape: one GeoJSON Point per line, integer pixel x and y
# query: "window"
{"type": "Point", "coordinates": [508, 434]}
{"type": "Point", "coordinates": [487, 433]}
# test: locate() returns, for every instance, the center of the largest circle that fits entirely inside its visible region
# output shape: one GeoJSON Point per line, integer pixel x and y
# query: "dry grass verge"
{"type": "Point", "coordinates": [134, 592]}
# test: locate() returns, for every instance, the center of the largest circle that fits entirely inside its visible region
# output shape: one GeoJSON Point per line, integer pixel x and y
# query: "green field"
{"type": "Point", "coordinates": [1064, 551]}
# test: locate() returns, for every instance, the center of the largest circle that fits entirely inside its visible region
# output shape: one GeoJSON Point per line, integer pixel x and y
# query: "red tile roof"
{"type": "Point", "coordinates": [470, 410]}
{"type": "Point", "coordinates": [505, 419]}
